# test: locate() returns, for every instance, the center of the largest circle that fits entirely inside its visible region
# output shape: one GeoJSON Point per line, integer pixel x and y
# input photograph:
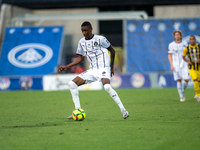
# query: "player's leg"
{"type": "Point", "coordinates": [180, 90]}
{"type": "Point", "coordinates": [198, 77]}
{"type": "Point", "coordinates": [199, 82]}
{"type": "Point", "coordinates": [83, 78]}
{"type": "Point", "coordinates": [185, 84]}
{"type": "Point", "coordinates": [194, 76]}
{"type": "Point", "coordinates": [177, 77]}
{"type": "Point", "coordinates": [197, 90]}
{"type": "Point", "coordinates": [195, 97]}
{"type": "Point", "coordinates": [186, 77]}
{"type": "Point", "coordinates": [113, 94]}
{"type": "Point", "coordinates": [73, 86]}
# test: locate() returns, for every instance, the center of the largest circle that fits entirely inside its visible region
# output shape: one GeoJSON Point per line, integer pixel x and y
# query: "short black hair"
{"type": "Point", "coordinates": [193, 36]}
{"type": "Point", "coordinates": [86, 23]}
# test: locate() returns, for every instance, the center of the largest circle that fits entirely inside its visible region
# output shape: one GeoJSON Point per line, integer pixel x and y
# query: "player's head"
{"type": "Point", "coordinates": [86, 29]}
{"type": "Point", "coordinates": [177, 36]}
{"type": "Point", "coordinates": [192, 40]}
{"type": "Point", "coordinates": [86, 23]}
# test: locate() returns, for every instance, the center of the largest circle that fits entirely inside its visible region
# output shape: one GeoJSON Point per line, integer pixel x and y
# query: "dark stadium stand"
{"type": "Point", "coordinates": [103, 5]}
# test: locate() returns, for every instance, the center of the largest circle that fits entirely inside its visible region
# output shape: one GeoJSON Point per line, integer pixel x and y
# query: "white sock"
{"type": "Point", "coordinates": [179, 87]}
{"type": "Point", "coordinates": [184, 85]}
{"type": "Point", "coordinates": [114, 95]}
{"type": "Point", "coordinates": [75, 94]}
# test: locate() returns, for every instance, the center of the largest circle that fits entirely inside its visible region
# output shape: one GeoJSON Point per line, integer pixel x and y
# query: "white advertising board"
{"type": "Point", "coordinates": [60, 82]}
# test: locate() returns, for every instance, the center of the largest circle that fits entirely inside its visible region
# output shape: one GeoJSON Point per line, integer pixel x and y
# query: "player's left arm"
{"type": "Point", "coordinates": [112, 58]}
{"type": "Point", "coordinates": [184, 58]}
{"type": "Point", "coordinates": [198, 61]}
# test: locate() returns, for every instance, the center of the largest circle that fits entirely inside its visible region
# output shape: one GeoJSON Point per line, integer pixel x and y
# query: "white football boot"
{"type": "Point", "coordinates": [198, 99]}
{"type": "Point", "coordinates": [182, 99]}
{"type": "Point", "coordinates": [69, 117]}
{"type": "Point", "coordinates": [195, 96]}
{"type": "Point", "coordinates": [125, 113]}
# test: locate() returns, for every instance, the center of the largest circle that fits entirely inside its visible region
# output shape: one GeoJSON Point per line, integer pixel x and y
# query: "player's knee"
{"type": "Point", "coordinates": [107, 87]}
{"type": "Point", "coordinates": [72, 85]}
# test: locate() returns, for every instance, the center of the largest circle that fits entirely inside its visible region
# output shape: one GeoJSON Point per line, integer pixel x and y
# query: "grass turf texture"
{"type": "Point", "coordinates": [158, 120]}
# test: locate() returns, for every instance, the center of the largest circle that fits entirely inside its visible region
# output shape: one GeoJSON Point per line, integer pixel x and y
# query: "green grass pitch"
{"type": "Point", "coordinates": [36, 120]}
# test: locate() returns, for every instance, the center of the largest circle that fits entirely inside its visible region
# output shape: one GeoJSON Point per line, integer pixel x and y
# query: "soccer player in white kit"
{"type": "Point", "coordinates": [95, 49]}
{"type": "Point", "coordinates": [178, 65]}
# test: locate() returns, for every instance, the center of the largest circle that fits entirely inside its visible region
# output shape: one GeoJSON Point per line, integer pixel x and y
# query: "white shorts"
{"type": "Point", "coordinates": [181, 73]}
{"type": "Point", "coordinates": [93, 75]}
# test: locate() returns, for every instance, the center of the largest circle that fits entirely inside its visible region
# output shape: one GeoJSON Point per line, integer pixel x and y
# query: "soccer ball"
{"type": "Point", "coordinates": [78, 114]}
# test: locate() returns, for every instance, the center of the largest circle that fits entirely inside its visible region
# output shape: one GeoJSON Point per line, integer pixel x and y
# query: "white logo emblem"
{"type": "Point", "coordinates": [192, 26]}
{"type": "Point", "coordinates": [26, 31]}
{"type": "Point", "coordinates": [31, 58]}
{"type": "Point", "coordinates": [131, 28]}
{"type": "Point", "coordinates": [177, 25]}
{"type": "Point", "coordinates": [41, 30]}
{"type": "Point", "coordinates": [162, 82]}
{"type": "Point", "coordinates": [55, 30]}
{"type": "Point", "coordinates": [146, 27]}
{"type": "Point", "coordinates": [137, 80]}
{"type": "Point", "coordinates": [161, 27]}
{"type": "Point", "coordinates": [4, 83]}
{"type": "Point", "coordinates": [11, 31]}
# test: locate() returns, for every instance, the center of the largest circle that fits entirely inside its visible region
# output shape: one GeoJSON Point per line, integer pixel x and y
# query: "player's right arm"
{"type": "Point", "coordinates": [171, 61]}
{"type": "Point", "coordinates": [79, 59]}
{"type": "Point", "coordinates": [170, 57]}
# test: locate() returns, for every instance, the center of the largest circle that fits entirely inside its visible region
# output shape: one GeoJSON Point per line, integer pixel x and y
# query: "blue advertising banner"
{"type": "Point", "coordinates": [136, 80]}
{"type": "Point", "coordinates": [30, 50]}
{"type": "Point", "coordinates": [20, 83]}
{"type": "Point", "coordinates": [148, 40]}
{"type": "Point", "coordinates": [167, 81]}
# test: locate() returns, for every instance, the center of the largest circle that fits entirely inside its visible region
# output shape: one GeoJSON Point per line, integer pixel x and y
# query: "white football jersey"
{"type": "Point", "coordinates": [176, 49]}
{"type": "Point", "coordinates": [95, 50]}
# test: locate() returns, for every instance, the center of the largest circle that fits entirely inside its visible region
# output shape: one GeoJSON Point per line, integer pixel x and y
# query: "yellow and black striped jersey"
{"type": "Point", "coordinates": [193, 53]}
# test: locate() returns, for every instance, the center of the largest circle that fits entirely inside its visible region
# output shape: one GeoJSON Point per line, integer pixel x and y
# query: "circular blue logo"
{"type": "Point", "coordinates": [30, 55]}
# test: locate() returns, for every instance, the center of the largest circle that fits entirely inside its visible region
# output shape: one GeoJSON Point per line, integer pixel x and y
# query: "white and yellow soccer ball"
{"type": "Point", "coordinates": [78, 114]}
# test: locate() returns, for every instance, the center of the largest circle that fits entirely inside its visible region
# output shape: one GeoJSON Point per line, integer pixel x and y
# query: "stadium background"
{"type": "Point", "coordinates": [140, 31]}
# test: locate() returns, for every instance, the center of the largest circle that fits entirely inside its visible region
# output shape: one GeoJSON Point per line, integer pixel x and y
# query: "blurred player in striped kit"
{"type": "Point", "coordinates": [178, 65]}
{"type": "Point", "coordinates": [193, 53]}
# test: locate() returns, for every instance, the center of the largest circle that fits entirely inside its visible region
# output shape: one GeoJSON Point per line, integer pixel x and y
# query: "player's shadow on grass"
{"type": "Point", "coordinates": [31, 126]}
{"type": "Point", "coordinates": [191, 100]}
{"type": "Point", "coordinates": [41, 124]}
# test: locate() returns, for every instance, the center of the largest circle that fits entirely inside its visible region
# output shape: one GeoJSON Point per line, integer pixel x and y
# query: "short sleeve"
{"type": "Point", "coordinates": [170, 49]}
{"type": "Point", "coordinates": [104, 42]}
{"type": "Point", "coordinates": [80, 50]}
{"type": "Point", "coordinates": [185, 51]}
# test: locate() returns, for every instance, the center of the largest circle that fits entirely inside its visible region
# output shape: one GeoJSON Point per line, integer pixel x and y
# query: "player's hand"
{"type": "Point", "coordinates": [172, 68]}
{"type": "Point", "coordinates": [189, 63]}
{"type": "Point", "coordinates": [111, 71]}
{"type": "Point", "coordinates": [198, 61]}
{"type": "Point", "coordinates": [62, 68]}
